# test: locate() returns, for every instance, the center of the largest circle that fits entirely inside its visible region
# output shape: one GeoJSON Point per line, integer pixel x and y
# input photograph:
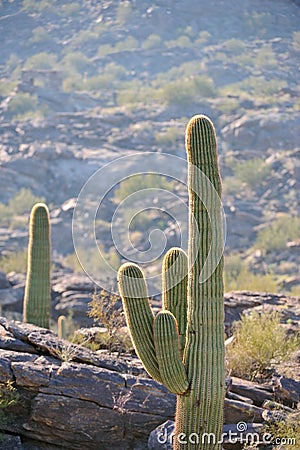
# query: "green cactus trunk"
{"type": "Point", "coordinates": [37, 298]}
{"type": "Point", "coordinates": [199, 414]}
{"type": "Point", "coordinates": [192, 365]}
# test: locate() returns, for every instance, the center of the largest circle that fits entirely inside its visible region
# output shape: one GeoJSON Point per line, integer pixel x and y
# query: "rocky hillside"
{"type": "Point", "coordinates": [85, 83]}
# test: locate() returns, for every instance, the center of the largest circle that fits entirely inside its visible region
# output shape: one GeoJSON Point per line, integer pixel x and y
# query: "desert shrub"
{"type": "Point", "coordinates": [85, 37]}
{"type": "Point", "coordinates": [253, 172]}
{"type": "Point", "coordinates": [39, 36]}
{"type": "Point", "coordinates": [14, 262]}
{"type": "Point", "coordinates": [152, 41]}
{"type": "Point", "coordinates": [22, 103]}
{"type": "Point", "coordinates": [90, 260]}
{"type": "Point", "coordinates": [123, 11]}
{"type": "Point", "coordinates": [234, 45]}
{"type": "Point", "coordinates": [130, 43]}
{"type": "Point", "coordinates": [138, 182]}
{"type": "Point", "coordinates": [43, 6]}
{"type": "Point", "coordinates": [227, 105]}
{"type": "Point", "coordinates": [260, 341]}
{"type": "Point", "coordinates": [13, 63]}
{"type": "Point", "coordinates": [43, 60]}
{"type": "Point", "coordinates": [72, 83]}
{"type": "Point", "coordinates": [202, 38]}
{"type": "Point", "coordinates": [276, 235]}
{"type": "Point", "coordinates": [182, 41]}
{"type": "Point", "coordinates": [20, 203]}
{"type": "Point", "coordinates": [70, 9]}
{"type": "Point", "coordinates": [238, 276]}
{"type": "Point", "coordinates": [287, 432]}
{"type": "Point", "coordinates": [256, 86]}
{"type": "Point", "coordinates": [106, 310]}
{"type": "Point", "coordinates": [188, 90]}
{"type": "Point", "coordinates": [231, 185]}
{"type": "Point", "coordinates": [265, 58]}
{"type": "Point", "coordinates": [168, 137]}
{"type": "Point", "coordinates": [106, 49]}
{"type": "Point", "coordinates": [76, 61]}
{"type": "Point", "coordinates": [6, 87]}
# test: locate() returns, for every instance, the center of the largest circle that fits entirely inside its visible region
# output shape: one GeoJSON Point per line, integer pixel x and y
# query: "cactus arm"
{"type": "Point", "coordinates": [139, 315]}
{"type": "Point", "coordinates": [174, 296]}
{"type": "Point", "coordinates": [166, 340]}
{"type": "Point", "coordinates": [37, 297]}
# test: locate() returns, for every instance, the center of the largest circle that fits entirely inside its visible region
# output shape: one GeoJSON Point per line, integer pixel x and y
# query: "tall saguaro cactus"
{"type": "Point", "coordinates": [37, 299]}
{"type": "Point", "coordinates": [183, 346]}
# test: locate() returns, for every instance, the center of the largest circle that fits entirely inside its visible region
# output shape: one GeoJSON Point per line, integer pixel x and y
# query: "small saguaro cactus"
{"type": "Point", "coordinates": [37, 298]}
{"type": "Point", "coordinates": [61, 327]}
{"type": "Point", "coordinates": [183, 345]}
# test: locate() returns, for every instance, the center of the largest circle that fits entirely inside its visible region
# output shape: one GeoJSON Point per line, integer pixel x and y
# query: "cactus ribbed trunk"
{"type": "Point", "coordinates": [199, 414]}
{"type": "Point", "coordinates": [37, 298]}
{"type": "Point", "coordinates": [194, 303]}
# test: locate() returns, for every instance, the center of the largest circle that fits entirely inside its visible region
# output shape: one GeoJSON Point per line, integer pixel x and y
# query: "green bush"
{"type": "Point", "coordinates": [237, 276]}
{"type": "Point", "coordinates": [260, 341]}
{"type": "Point", "coordinates": [182, 41]}
{"type": "Point", "coordinates": [256, 86]}
{"type": "Point", "coordinates": [265, 58]}
{"type": "Point", "coordinates": [43, 61]}
{"type": "Point", "coordinates": [253, 172]}
{"type": "Point", "coordinates": [124, 12]}
{"type": "Point", "coordinates": [152, 41]}
{"type": "Point", "coordinates": [39, 36]}
{"type": "Point", "coordinates": [42, 6]}
{"type": "Point", "coordinates": [71, 9]}
{"type": "Point", "coordinates": [287, 431]}
{"type": "Point", "coordinates": [276, 235]}
{"type": "Point", "coordinates": [20, 203]}
{"type": "Point", "coordinates": [90, 260]}
{"type": "Point", "coordinates": [14, 262]}
{"type": "Point", "coordinates": [235, 46]}
{"type": "Point", "coordinates": [22, 103]}
{"type": "Point", "coordinates": [106, 309]}
{"type": "Point", "coordinates": [138, 182]}
{"type": "Point", "coordinates": [188, 90]}
{"type": "Point", "coordinates": [76, 62]}
{"type": "Point", "coordinates": [130, 43]}
{"type": "Point", "coordinates": [168, 137]}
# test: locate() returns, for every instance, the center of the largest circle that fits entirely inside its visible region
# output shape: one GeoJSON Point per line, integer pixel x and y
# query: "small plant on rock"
{"type": "Point", "coordinates": [106, 309]}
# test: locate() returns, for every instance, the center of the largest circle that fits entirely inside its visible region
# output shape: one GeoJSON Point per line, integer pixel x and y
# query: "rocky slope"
{"type": "Point", "coordinates": [82, 85]}
{"type": "Point", "coordinates": [69, 397]}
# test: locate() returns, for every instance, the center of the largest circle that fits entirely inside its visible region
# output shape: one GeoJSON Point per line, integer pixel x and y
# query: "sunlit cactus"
{"type": "Point", "coordinates": [183, 346]}
{"type": "Point", "coordinates": [37, 298]}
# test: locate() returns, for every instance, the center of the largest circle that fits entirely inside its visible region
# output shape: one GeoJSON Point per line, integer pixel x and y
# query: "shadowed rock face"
{"type": "Point", "coordinates": [71, 397]}
{"type": "Point", "coordinates": [86, 401]}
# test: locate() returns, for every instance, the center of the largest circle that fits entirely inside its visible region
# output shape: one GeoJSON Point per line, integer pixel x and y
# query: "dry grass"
{"type": "Point", "coordinates": [260, 342]}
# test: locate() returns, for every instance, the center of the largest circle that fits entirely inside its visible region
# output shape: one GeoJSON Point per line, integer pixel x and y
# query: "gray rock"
{"type": "Point", "coordinates": [10, 442]}
{"type": "Point", "coordinates": [161, 437]}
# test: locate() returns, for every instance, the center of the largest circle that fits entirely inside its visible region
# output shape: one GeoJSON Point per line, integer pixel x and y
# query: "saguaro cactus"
{"type": "Point", "coordinates": [61, 327]}
{"type": "Point", "coordinates": [183, 346]}
{"type": "Point", "coordinates": [37, 299]}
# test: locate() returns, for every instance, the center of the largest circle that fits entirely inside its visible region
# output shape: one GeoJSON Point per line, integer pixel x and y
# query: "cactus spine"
{"type": "Point", "coordinates": [183, 346]}
{"type": "Point", "coordinates": [37, 299]}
